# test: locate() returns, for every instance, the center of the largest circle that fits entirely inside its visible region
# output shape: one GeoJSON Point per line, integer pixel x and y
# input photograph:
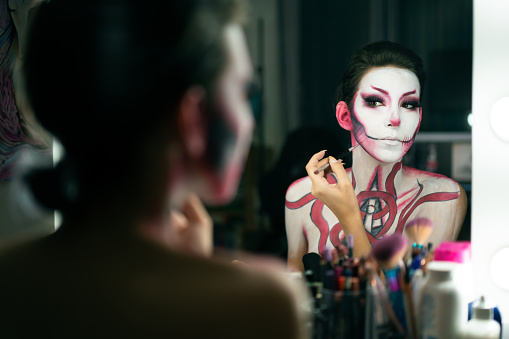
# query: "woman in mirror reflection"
{"type": "Point", "coordinates": [378, 101]}
{"type": "Point", "coordinates": [148, 99]}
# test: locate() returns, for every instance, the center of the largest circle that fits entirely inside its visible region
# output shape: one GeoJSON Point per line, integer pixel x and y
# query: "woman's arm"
{"type": "Point", "coordinates": [340, 198]}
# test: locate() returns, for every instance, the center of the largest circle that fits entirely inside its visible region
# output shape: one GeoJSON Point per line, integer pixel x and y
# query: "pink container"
{"type": "Point", "coordinates": [454, 251]}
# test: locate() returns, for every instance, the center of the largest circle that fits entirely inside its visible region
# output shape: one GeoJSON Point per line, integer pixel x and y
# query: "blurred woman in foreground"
{"type": "Point", "coordinates": [148, 99]}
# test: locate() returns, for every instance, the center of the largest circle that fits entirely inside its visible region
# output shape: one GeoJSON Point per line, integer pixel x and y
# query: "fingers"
{"type": "Point", "coordinates": [195, 212]}
{"type": "Point", "coordinates": [317, 178]}
{"type": "Point", "coordinates": [313, 163]}
{"type": "Point", "coordinates": [178, 221]}
{"type": "Point", "coordinates": [322, 166]}
{"type": "Point", "coordinates": [190, 230]}
{"type": "Point", "coordinates": [339, 170]}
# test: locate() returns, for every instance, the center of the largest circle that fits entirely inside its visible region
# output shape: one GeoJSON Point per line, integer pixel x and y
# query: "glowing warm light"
{"type": "Point", "coordinates": [469, 119]}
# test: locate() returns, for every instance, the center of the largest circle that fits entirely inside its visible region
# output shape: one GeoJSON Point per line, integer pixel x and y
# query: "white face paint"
{"type": "Point", "coordinates": [386, 112]}
{"type": "Point", "coordinates": [236, 110]}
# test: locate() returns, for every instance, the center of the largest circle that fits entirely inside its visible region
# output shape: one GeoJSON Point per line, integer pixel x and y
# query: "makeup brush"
{"type": "Point", "coordinates": [324, 167]}
{"type": "Point", "coordinates": [418, 231]}
{"type": "Point", "coordinates": [350, 246]}
{"type": "Point", "coordinates": [389, 252]}
{"type": "Point", "coordinates": [380, 302]}
{"type": "Point", "coordinates": [406, 284]}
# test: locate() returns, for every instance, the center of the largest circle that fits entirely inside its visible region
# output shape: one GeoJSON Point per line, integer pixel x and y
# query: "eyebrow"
{"type": "Point", "coordinates": [387, 93]}
{"type": "Point", "coordinates": [381, 90]}
{"type": "Point", "coordinates": [408, 93]}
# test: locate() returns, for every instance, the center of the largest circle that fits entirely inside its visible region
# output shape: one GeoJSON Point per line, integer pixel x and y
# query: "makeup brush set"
{"type": "Point", "coordinates": [374, 296]}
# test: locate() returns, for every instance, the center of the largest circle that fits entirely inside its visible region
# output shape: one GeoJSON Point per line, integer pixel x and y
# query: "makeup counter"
{"type": "Point", "coordinates": [403, 289]}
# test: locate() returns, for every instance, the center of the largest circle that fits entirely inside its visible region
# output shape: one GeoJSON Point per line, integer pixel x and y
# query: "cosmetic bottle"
{"type": "Point", "coordinates": [458, 253]}
{"type": "Point", "coordinates": [444, 307]}
{"type": "Point", "coordinates": [482, 325]}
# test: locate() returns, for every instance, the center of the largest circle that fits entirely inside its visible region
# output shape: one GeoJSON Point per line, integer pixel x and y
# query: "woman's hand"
{"type": "Point", "coordinates": [339, 197]}
{"type": "Point", "coordinates": [190, 230]}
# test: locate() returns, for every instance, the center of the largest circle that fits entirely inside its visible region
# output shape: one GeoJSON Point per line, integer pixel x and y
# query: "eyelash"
{"type": "Point", "coordinates": [372, 100]}
{"type": "Point", "coordinates": [414, 105]}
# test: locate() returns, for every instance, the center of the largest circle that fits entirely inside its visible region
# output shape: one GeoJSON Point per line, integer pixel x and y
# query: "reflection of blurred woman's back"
{"type": "Point", "coordinates": [147, 98]}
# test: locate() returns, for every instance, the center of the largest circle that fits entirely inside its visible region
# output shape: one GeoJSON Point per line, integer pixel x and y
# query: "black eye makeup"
{"type": "Point", "coordinates": [373, 100]}
{"type": "Point", "coordinates": [410, 104]}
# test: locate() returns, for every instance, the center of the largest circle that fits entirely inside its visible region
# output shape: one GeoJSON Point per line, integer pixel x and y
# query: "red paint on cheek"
{"type": "Point", "coordinates": [407, 145]}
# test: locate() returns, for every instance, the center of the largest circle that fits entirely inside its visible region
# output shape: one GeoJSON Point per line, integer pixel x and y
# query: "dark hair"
{"type": "Point", "coordinates": [100, 74]}
{"type": "Point", "coordinates": [377, 54]}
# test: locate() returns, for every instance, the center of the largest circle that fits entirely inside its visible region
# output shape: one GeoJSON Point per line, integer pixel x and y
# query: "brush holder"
{"type": "Point", "coordinates": [351, 314]}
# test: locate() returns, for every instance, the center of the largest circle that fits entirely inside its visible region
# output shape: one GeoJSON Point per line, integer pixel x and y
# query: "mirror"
{"type": "Point", "coordinates": [300, 50]}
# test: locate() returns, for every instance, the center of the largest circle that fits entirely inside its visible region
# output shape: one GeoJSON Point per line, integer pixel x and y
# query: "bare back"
{"type": "Point", "coordinates": [121, 286]}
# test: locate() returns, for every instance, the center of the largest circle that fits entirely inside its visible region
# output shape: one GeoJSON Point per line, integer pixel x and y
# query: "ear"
{"type": "Point", "coordinates": [192, 124]}
{"type": "Point", "coordinates": [343, 116]}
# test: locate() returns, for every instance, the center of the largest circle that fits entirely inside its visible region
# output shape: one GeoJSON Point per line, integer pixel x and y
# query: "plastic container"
{"type": "Point", "coordinates": [444, 305]}
{"type": "Point", "coordinates": [482, 325]}
{"type": "Point", "coordinates": [459, 253]}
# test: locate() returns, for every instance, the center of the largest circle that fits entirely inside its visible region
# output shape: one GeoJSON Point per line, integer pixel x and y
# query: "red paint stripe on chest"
{"type": "Point", "coordinates": [433, 197]}
{"type": "Point", "coordinates": [301, 202]}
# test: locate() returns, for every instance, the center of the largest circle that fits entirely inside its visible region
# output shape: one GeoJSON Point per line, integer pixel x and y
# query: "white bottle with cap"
{"type": "Point", "coordinates": [482, 325]}
{"type": "Point", "coordinates": [443, 306]}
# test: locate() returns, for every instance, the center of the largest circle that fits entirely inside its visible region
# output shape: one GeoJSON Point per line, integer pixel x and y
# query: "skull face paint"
{"type": "Point", "coordinates": [232, 127]}
{"type": "Point", "coordinates": [386, 113]}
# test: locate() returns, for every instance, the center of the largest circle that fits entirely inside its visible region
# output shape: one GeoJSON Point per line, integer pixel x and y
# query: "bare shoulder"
{"type": "Point", "coordinates": [432, 182]}
{"type": "Point", "coordinates": [298, 189]}
{"type": "Point", "coordinates": [153, 284]}
{"type": "Point", "coordinates": [442, 200]}
{"type": "Point", "coordinates": [301, 188]}
{"type": "Point", "coordinates": [245, 294]}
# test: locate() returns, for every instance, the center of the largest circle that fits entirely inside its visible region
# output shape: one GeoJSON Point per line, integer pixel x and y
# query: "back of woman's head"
{"type": "Point", "coordinates": [373, 55]}
{"type": "Point", "coordinates": [100, 74]}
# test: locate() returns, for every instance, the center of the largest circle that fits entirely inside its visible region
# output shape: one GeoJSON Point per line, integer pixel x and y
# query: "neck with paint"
{"type": "Point", "coordinates": [367, 171]}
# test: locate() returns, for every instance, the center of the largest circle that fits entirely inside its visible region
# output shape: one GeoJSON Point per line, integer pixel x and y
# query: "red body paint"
{"type": "Point", "coordinates": [383, 217]}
